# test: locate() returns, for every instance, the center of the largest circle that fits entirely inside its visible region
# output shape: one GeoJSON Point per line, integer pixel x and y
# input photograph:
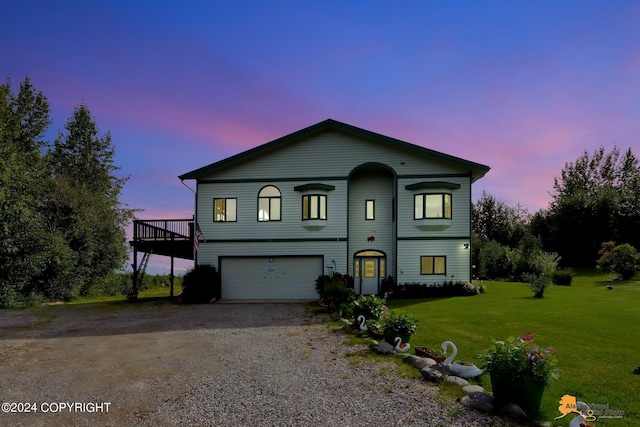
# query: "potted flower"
{"type": "Point", "coordinates": [371, 307]}
{"type": "Point", "coordinates": [519, 371]}
{"type": "Point", "coordinates": [375, 329]}
{"type": "Point", "coordinates": [399, 325]}
{"type": "Point", "coordinates": [423, 351]}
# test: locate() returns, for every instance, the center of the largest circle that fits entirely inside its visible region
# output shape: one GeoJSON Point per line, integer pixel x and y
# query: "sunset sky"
{"type": "Point", "coordinates": [523, 87]}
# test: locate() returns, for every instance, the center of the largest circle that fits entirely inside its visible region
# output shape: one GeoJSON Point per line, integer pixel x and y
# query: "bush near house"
{"type": "Point", "coordinates": [446, 289]}
{"type": "Point", "coordinates": [200, 285]}
{"type": "Point", "coordinates": [335, 291]}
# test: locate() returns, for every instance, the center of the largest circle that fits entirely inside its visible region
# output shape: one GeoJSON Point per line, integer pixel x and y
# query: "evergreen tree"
{"type": "Point", "coordinates": [25, 245]}
{"type": "Point", "coordinates": [85, 205]}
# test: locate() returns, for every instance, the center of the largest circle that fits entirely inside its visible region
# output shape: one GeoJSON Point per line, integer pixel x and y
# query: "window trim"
{"type": "Point", "coordinates": [433, 265]}
{"type": "Point", "coordinates": [423, 198]}
{"type": "Point", "coordinates": [224, 201]}
{"type": "Point", "coordinates": [319, 210]}
{"type": "Point", "coordinates": [270, 200]}
{"type": "Point", "coordinates": [366, 210]}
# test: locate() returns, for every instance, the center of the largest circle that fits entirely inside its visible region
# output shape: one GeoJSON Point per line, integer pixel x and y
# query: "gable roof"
{"type": "Point", "coordinates": [476, 170]}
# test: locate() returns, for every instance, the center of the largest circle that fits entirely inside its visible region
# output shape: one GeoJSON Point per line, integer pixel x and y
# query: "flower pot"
{"type": "Point", "coordinates": [389, 336]}
{"type": "Point", "coordinates": [526, 394]}
{"type": "Point", "coordinates": [427, 352]}
{"type": "Point", "coordinates": [377, 335]}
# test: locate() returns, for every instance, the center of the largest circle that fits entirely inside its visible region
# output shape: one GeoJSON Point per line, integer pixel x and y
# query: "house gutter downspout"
{"type": "Point", "coordinates": [195, 217]}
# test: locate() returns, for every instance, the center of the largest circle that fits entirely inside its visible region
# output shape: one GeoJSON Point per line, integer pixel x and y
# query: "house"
{"type": "Point", "coordinates": [334, 198]}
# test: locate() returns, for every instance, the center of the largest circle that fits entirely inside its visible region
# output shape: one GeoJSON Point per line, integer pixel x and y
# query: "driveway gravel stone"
{"type": "Point", "coordinates": [160, 364]}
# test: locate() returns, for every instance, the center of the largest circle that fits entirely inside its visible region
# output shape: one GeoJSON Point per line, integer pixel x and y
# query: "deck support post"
{"type": "Point", "coordinates": [171, 279]}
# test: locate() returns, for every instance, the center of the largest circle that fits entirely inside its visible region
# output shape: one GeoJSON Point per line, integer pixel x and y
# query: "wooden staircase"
{"type": "Point", "coordinates": [168, 237]}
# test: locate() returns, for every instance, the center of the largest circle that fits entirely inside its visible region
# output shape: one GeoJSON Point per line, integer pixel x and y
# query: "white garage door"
{"type": "Point", "coordinates": [285, 278]}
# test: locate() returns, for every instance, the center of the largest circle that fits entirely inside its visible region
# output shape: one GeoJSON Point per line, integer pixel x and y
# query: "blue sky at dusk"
{"type": "Point", "coordinates": [520, 86]}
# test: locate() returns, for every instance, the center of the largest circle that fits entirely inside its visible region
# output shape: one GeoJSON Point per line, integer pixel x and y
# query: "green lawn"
{"type": "Point", "coordinates": [595, 331]}
{"type": "Point", "coordinates": [151, 293]}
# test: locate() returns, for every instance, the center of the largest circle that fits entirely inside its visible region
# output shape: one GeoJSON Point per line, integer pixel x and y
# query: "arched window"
{"type": "Point", "coordinates": [269, 202]}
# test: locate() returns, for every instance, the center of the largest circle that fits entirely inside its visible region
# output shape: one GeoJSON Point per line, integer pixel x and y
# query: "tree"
{"type": "Point", "coordinates": [25, 245]}
{"type": "Point", "coordinates": [495, 220]}
{"type": "Point", "coordinates": [620, 259]}
{"type": "Point", "coordinates": [85, 202]}
{"type": "Point", "coordinates": [61, 222]}
{"type": "Point", "coordinates": [596, 199]}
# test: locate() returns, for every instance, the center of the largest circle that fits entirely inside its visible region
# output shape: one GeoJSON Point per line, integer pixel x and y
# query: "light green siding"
{"type": "Point", "coordinates": [348, 170]}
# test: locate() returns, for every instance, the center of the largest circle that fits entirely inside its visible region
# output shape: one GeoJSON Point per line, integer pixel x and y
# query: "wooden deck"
{"type": "Point", "coordinates": [168, 237]}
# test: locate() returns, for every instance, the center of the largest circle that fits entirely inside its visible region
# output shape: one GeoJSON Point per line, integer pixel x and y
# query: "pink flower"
{"type": "Point", "coordinates": [527, 336]}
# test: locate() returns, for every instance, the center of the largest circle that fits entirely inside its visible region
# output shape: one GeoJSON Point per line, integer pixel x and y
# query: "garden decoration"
{"type": "Point", "coordinates": [459, 369]}
{"type": "Point", "coordinates": [399, 325]}
{"type": "Point", "coordinates": [423, 351]}
{"type": "Point", "coordinates": [520, 370]}
{"type": "Point", "coordinates": [371, 307]}
{"type": "Point", "coordinates": [375, 329]}
{"type": "Point", "coordinates": [362, 325]}
{"type": "Point", "coordinates": [400, 346]}
{"type": "Point", "coordinates": [585, 414]}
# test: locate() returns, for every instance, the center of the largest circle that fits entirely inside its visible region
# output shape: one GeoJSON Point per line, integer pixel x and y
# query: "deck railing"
{"type": "Point", "coordinates": [162, 229]}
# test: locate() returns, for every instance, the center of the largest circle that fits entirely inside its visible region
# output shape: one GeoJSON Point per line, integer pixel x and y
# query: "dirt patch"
{"type": "Point", "coordinates": [133, 357]}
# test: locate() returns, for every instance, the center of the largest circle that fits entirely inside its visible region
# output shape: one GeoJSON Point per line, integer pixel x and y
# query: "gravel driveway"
{"type": "Point", "coordinates": [158, 364]}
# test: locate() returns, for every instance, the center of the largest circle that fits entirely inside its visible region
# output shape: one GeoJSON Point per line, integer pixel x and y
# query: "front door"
{"type": "Point", "coordinates": [370, 269]}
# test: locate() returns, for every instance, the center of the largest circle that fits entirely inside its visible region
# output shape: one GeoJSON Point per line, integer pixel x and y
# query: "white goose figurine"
{"type": "Point", "coordinates": [399, 346]}
{"type": "Point", "coordinates": [583, 417]}
{"type": "Point", "coordinates": [462, 371]}
{"type": "Point", "coordinates": [362, 320]}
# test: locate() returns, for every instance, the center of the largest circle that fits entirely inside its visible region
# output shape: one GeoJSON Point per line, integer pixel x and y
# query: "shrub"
{"type": "Point", "coordinates": [400, 323]}
{"type": "Point", "coordinates": [322, 282]}
{"type": "Point", "coordinates": [538, 283]}
{"type": "Point", "coordinates": [336, 295]}
{"type": "Point", "coordinates": [114, 284]}
{"type": "Point", "coordinates": [200, 285]}
{"type": "Point", "coordinates": [541, 267]}
{"type": "Point", "coordinates": [345, 310]}
{"type": "Point", "coordinates": [445, 290]}
{"type": "Point", "coordinates": [494, 260]}
{"type": "Point", "coordinates": [387, 285]}
{"type": "Point", "coordinates": [325, 280]}
{"type": "Point", "coordinates": [621, 259]}
{"type": "Point", "coordinates": [371, 307]}
{"type": "Point", "coordinates": [562, 277]}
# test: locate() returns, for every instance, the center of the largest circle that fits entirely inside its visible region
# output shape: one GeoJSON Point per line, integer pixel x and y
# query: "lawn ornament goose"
{"type": "Point", "coordinates": [581, 419]}
{"type": "Point", "coordinates": [399, 346]}
{"type": "Point", "coordinates": [458, 369]}
{"type": "Point", "coordinates": [362, 320]}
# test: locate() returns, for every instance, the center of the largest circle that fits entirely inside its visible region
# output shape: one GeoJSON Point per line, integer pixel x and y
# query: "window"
{"type": "Point", "coordinates": [370, 206]}
{"type": "Point", "coordinates": [432, 206]}
{"type": "Point", "coordinates": [269, 202]}
{"type": "Point", "coordinates": [314, 206]}
{"type": "Point", "coordinates": [369, 268]}
{"type": "Point", "coordinates": [433, 265]}
{"type": "Point", "coordinates": [224, 210]}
